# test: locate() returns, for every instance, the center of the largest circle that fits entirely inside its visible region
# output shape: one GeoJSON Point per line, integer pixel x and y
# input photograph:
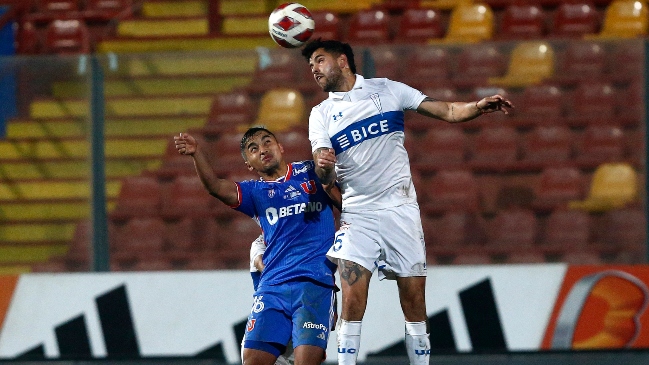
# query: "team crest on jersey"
{"type": "Point", "coordinates": [271, 193]}
{"type": "Point", "coordinates": [377, 102]}
{"type": "Point", "coordinates": [309, 187]}
{"type": "Point", "coordinates": [251, 324]}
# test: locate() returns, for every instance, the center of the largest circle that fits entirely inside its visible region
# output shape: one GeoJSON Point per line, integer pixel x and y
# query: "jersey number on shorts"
{"type": "Point", "coordinates": [338, 242]}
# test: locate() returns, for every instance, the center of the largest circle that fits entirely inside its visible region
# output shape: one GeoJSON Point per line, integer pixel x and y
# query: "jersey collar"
{"type": "Point", "coordinates": [339, 95]}
{"type": "Point", "coordinates": [287, 177]}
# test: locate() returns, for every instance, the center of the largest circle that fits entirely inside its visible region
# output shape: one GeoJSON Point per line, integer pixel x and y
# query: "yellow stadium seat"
{"type": "Point", "coordinates": [613, 186]}
{"type": "Point", "coordinates": [469, 23]}
{"type": "Point", "coordinates": [163, 27]}
{"type": "Point", "coordinates": [442, 4]}
{"type": "Point", "coordinates": [529, 63]}
{"type": "Point", "coordinates": [624, 19]}
{"type": "Point", "coordinates": [163, 9]}
{"type": "Point", "coordinates": [281, 109]}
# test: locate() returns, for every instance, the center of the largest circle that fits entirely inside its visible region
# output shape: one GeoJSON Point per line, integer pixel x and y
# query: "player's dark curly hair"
{"type": "Point", "coordinates": [248, 135]}
{"type": "Point", "coordinates": [334, 47]}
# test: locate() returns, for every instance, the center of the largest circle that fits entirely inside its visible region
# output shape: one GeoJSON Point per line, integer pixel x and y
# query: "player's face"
{"type": "Point", "coordinates": [263, 153]}
{"type": "Point", "coordinates": [326, 70]}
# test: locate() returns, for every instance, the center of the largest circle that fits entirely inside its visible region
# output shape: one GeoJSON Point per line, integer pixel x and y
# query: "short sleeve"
{"type": "Point", "coordinates": [318, 131]}
{"type": "Point", "coordinates": [246, 201]}
{"type": "Point", "coordinates": [409, 97]}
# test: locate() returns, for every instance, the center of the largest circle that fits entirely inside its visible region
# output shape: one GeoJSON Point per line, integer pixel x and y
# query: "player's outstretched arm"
{"type": "Point", "coordinates": [456, 112]}
{"type": "Point", "coordinates": [325, 161]}
{"type": "Point", "coordinates": [224, 190]}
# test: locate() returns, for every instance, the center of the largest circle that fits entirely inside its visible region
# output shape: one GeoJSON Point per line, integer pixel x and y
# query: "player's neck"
{"type": "Point", "coordinates": [275, 174]}
{"type": "Point", "coordinates": [348, 83]}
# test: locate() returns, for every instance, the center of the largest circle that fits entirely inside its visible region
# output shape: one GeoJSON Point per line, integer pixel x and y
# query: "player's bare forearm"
{"type": "Point", "coordinates": [334, 194]}
{"type": "Point", "coordinates": [457, 112]}
{"type": "Point", "coordinates": [224, 190]}
{"type": "Point", "coordinates": [325, 162]}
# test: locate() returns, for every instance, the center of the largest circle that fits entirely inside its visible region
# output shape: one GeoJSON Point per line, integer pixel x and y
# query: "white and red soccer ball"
{"type": "Point", "coordinates": [290, 25]}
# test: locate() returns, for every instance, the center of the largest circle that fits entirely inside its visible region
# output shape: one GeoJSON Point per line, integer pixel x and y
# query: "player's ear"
{"type": "Point", "coordinates": [281, 148]}
{"type": "Point", "coordinates": [249, 167]}
{"type": "Point", "coordinates": [342, 61]}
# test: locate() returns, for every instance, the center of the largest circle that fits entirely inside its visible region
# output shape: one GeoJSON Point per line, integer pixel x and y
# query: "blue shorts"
{"type": "Point", "coordinates": [298, 310]}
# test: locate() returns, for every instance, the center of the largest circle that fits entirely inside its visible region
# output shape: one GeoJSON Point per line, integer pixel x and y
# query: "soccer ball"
{"type": "Point", "coordinates": [290, 25]}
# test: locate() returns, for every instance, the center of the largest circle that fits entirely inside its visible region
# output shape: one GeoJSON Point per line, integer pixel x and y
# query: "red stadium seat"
{"type": "Point", "coordinates": [557, 186]}
{"type": "Point", "coordinates": [419, 25]}
{"type": "Point", "coordinates": [532, 257]}
{"type": "Point", "coordinates": [140, 235]}
{"type": "Point", "coordinates": [191, 234]}
{"type": "Point", "coordinates": [495, 148]}
{"type": "Point", "coordinates": [48, 10]}
{"type": "Point", "coordinates": [28, 39]}
{"type": "Point", "coordinates": [229, 111]}
{"type": "Point", "coordinates": [626, 61]}
{"type": "Point", "coordinates": [428, 67]}
{"type": "Point", "coordinates": [477, 63]}
{"type": "Point", "coordinates": [187, 197]}
{"type": "Point", "coordinates": [472, 259]}
{"type": "Point", "coordinates": [512, 229]}
{"type": "Point", "coordinates": [582, 258]}
{"type": "Point", "coordinates": [297, 146]}
{"type": "Point", "coordinates": [369, 26]}
{"type": "Point", "coordinates": [227, 154]}
{"type": "Point", "coordinates": [108, 9]}
{"type": "Point", "coordinates": [522, 21]}
{"type": "Point", "coordinates": [327, 25]}
{"type": "Point", "coordinates": [545, 146]}
{"type": "Point", "coordinates": [630, 104]}
{"type": "Point", "coordinates": [174, 164]}
{"type": "Point", "coordinates": [582, 61]}
{"type": "Point", "coordinates": [599, 144]}
{"type": "Point", "coordinates": [455, 230]}
{"type": "Point", "coordinates": [567, 230]}
{"type": "Point", "coordinates": [593, 102]}
{"type": "Point", "coordinates": [67, 37]}
{"type": "Point", "coordinates": [540, 105]}
{"type": "Point", "coordinates": [441, 147]}
{"type": "Point", "coordinates": [624, 229]}
{"type": "Point", "coordinates": [451, 189]}
{"type": "Point", "coordinates": [388, 61]}
{"type": "Point", "coordinates": [139, 196]}
{"type": "Point", "coordinates": [575, 19]}
{"type": "Point", "coordinates": [276, 70]}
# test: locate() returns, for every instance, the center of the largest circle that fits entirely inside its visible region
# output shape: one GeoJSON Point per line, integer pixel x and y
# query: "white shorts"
{"type": "Point", "coordinates": [391, 240]}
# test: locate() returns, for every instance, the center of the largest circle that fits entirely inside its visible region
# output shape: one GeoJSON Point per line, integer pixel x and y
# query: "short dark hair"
{"type": "Point", "coordinates": [248, 135]}
{"type": "Point", "coordinates": [334, 47]}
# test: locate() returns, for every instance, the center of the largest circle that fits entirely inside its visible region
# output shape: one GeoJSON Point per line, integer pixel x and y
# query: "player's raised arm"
{"type": "Point", "coordinates": [224, 190]}
{"type": "Point", "coordinates": [456, 112]}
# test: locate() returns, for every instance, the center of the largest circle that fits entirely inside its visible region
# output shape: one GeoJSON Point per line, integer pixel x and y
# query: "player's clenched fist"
{"type": "Point", "coordinates": [185, 144]}
{"type": "Point", "coordinates": [326, 159]}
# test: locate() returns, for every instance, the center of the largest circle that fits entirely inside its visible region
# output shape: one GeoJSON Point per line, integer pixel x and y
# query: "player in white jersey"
{"type": "Point", "coordinates": [357, 137]}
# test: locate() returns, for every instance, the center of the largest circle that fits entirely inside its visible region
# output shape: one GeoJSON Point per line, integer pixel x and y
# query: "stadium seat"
{"type": "Point", "coordinates": [139, 196]}
{"type": "Point", "coordinates": [471, 259]}
{"type": "Point", "coordinates": [575, 19]}
{"type": "Point", "coordinates": [441, 147]}
{"type": "Point", "coordinates": [469, 23]}
{"type": "Point", "coordinates": [174, 164]}
{"type": "Point", "coordinates": [582, 61]}
{"type": "Point", "coordinates": [522, 21]}
{"type": "Point", "coordinates": [456, 230]}
{"type": "Point", "coordinates": [566, 230]}
{"type": "Point", "coordinates": [557, 186]}
{"type": "Point", "coordinates": [613, 186]}
{"type": "Point", "coordinates": [624, 19]}
{"type": "Point", "coordinates": [540, 105]}
{"type": "Point", "coordinates": [545, 146]}
{"type": "Point", "coordinates": [599, 144]}
{"type": "Point", "coordinates": [630, 104]}
{"type": "Point", "coordinates": [451, 189]}
{"type": "Point", "coordinates": [67, 37]}
{"type": "Point", "coordinates": [529, 63]}
{"type": "Point", "coordinates": [593, 102]}
{"type": "Point", "coordinates": [417, 25]}
{"type": "Point", "coordinates": [582, 258]}
{"type": "Point", "coordinates": [495, 148]}
{"type": "Point", "coordinates": [226, 154]}
{"type": "Point", "coordinates": [369, 26]}
{"type": "Point", "coordinates": [229, 111]}
{"type": "Point", "coordinates": [152, 264]}
{"type": "Point", "coordinates": [428, 66]}
{"type": "Point", "coordinates": [625, 228]}
{"type": "Point", "coordinates": [186, 197]}
{"type": "Point", "coordinates": [236, 240]}
{"type": "Point", "coordinates": [532, 257]}
{"type": "Point", "coordinates": [139, 236]}
{"type": "Point", "coordinates": [281, 109]}
{"type": "Point", "coordinates": [419, 123]}
{"type": "Point", "coordinates": [48, 10]}
{"type": "Point", "coordinates": [275, 69]}
{"type": "Point", "coordinates": [328, 25]}
{"type": "Point", "coordinates": [297, 146]}
{"type": "Point", "coordinates": [108, 9]}
{"type": "Point", "coordinates": [28, 40]}
{"type": "Point", "coordinates": [191, 234]}
{"type": "Point", "coordinates": [626, 61]}
{"type": "Point", "coordinates": [388, 61]}
{"type": "Point", "coordinates": [476, 64]}
{"type": "Point", "coordinates": [512, 229]}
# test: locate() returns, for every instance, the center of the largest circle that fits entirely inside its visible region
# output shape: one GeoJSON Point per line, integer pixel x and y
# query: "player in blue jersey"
{"type": "Point", "coordinates": [295, 295]}
{"type": "Point", "coordinates": [357, 137]}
